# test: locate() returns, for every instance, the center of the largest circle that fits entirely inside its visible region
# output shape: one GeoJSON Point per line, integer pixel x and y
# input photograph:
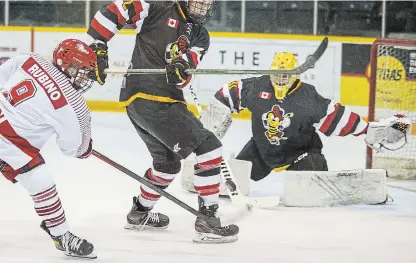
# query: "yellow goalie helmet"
{"type": "Point", "coordinates": [282, 82]}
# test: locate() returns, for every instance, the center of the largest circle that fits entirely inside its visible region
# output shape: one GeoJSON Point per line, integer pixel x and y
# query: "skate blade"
{"type": "Point", "coordinates": [208, 238]}
{"type": "Point", "coordinates": [142, 228]}
{"type": "Point", "coordinates": [92, 255]}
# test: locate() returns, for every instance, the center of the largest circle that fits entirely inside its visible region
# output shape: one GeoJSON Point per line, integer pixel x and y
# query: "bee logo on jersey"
{"type": "Point", "coordinates": [275, 121]}
{"type": "Point", "coordinates": [177, 48]}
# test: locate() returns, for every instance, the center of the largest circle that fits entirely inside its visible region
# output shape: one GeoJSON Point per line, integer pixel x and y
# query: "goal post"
{"type": "Point", "coordinates": [393, 91]}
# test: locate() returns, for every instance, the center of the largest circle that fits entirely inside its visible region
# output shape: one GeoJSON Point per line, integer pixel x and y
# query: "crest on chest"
{"type": "Point", "coordinates": [275, 122]}
{"type": "Point", "coordinates": [180, 46]}
{"type": "Point", "coordinates": [177, 48]}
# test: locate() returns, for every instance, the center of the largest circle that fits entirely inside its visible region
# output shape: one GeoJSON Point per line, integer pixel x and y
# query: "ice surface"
{"type": "Point", "coordinates": [97, 197]}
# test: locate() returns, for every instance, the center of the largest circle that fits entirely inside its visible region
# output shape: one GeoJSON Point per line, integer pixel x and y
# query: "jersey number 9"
{"type": "Point", "coordinates": [21, 92]}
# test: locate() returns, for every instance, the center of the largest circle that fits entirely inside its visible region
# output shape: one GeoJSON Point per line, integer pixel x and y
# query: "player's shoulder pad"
{"type": "Point", "coordinates": [200, 37]}
{"type": "Point", "coordinates": [263, 80]}
{"type": "Point", "coordinates": [256, 82]}
{"type": "Point", "coordinates": [251, 82]}
{"type": "Point", "coordinates": [161, 3]}
{"type": "Point", "coordinates": [248, 83]}
{"type": "Point", "coordinates": [156, 8]}
{"type": "Point", "coordinates": [308, 89]}
{"type": "Point", "coordinates": [201, 32]}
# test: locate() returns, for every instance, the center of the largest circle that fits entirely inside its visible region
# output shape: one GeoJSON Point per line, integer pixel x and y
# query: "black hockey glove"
{"type": "Point", "coordinates": [101, 50]}
{"type": "Point", "coordinates": [176, 71]}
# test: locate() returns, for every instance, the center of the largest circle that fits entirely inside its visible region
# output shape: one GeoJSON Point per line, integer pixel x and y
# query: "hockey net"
{"type": "Point", "coordinates": [393, 91]}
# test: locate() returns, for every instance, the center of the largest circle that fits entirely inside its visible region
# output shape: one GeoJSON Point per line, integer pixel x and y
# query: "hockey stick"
{"type": "Point", "coordinates": [142, 180]}
{"type": "Point", "coordinates": [231, 184]}
{"type": "Point", "coordinates": [309, 63]}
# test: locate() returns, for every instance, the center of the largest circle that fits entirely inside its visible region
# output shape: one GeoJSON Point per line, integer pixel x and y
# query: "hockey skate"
{"type": "Point", "coordinates": [140, 218]}
{"type": "Point", "coordinates": [72, 245]}
{"type": "Point", "coordinates": [207, 234]}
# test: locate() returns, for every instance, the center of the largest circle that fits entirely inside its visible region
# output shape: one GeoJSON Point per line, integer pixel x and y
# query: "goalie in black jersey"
{"type": "Point", "coordinates": [286, 115]}
{"type": "Point", "coordinates": [170, 35]}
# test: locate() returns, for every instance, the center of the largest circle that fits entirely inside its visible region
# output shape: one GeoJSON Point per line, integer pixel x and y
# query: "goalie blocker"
{"type": "Point", "coordinates": [310, 188]}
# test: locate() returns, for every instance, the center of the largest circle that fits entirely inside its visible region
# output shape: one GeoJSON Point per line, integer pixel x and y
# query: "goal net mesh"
{"type": "Point", "coordinates": [394, 87]}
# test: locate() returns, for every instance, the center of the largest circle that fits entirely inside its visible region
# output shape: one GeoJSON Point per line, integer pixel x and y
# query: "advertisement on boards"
{"type": "Point", "coordinates": [395, 79]}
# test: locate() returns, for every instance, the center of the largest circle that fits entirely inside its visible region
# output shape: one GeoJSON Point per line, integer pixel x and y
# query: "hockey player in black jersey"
{"type": "Point", "coordinates": [286, 115]}
{"type": "Point", "coordinates": [170, 35]}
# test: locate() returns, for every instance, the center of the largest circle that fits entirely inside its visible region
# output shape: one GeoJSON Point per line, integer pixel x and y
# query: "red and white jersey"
{"type": "Point", "coordinates": [38, 101]}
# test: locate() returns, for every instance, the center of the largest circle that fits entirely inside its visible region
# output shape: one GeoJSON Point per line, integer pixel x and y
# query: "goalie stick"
{"type": "Point", "coordinates": [239, 199]}
{"type": "Point", "coordinates": [309, 63]}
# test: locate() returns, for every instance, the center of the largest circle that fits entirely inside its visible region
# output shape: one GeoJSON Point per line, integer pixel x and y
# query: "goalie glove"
{"type": "Point", "coordinates": [389, 133]}
{"type": "Point", "coordinates": [101, 50]}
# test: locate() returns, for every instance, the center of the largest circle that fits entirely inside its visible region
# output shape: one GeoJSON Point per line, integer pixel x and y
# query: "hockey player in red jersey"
{"type": "Point", "coordinates": [286, 115]}
{"type": "Point", "coordinates": [38, 99]}
{"type": "Point", "coordinates": [170, 35]}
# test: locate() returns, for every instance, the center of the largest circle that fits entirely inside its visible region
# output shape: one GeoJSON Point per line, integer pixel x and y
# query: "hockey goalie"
{"type": "Point", "coordinates": [286, 115]}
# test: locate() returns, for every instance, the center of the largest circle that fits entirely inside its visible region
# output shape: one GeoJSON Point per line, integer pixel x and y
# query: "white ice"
{"type": "Point", "coordinates": [97, 197]}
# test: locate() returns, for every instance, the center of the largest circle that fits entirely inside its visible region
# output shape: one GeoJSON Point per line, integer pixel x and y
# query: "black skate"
{"type": "Point", "coordinates": [72, 245]}
{"type": "Point", "coordinates": [140, 218]}
{"type": "Point", "coordinates": [209, 234]}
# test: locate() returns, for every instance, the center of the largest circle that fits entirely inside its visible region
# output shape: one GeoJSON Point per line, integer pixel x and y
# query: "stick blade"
{"type": "Point", "coordinates": [312, 59]}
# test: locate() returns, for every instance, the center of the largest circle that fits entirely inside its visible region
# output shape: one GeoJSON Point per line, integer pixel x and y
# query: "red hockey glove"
{"type": "Point", "coordinates": [176, 71]}
{"type": "Point", "coordinates": [101, 50]}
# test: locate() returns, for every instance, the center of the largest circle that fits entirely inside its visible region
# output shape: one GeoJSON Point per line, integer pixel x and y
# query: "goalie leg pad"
{"type": "Point", "coordinates": [323, 188]}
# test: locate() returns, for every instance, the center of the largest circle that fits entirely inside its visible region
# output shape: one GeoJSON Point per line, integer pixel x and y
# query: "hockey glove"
{"type": "Point", "coordinates": [101, 50]}
{"type": "Point", "coordinates": [391, 133]}
{"type": "Point", "coordinates": [176, 72]}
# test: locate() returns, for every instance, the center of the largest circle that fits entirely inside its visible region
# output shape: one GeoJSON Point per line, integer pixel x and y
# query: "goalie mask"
{"type": "Point", "coordinates": [196, 11]}
{"type": "Point", "coordinates": [78, 61]}
{"type": "Point", "coordinates": [282, 82]}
